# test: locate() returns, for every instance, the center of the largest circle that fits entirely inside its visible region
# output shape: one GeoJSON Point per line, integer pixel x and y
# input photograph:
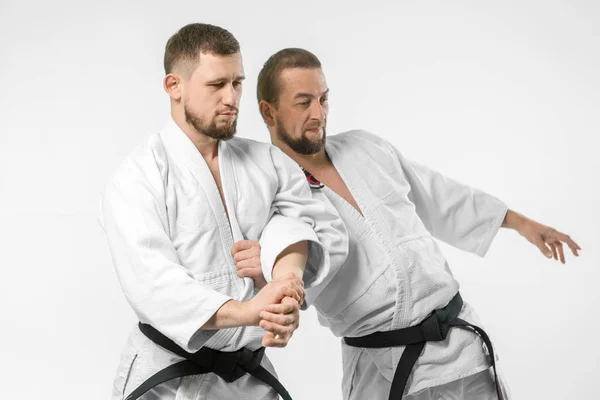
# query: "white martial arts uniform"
{"type": "Point", "coordinates": [171, 242]}
{"type": "Point", "coordinates": [395, 274]}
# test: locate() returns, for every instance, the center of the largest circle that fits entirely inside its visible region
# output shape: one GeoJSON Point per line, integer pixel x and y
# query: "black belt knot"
{"type": "Point", "coordinates": [233, 365]}
{"type": "Point", "coordinates": [434, 328]}
{"type": "Point", "coordinates": [229, 365]}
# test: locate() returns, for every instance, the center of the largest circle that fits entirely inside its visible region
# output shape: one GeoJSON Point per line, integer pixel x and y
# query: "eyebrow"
{"type": "Point", "coordinates": [220, 80]}
{"type": "Point", "coordinates": [309, 95]}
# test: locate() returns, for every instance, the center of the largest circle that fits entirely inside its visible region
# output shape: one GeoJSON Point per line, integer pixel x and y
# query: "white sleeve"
{"type": "Point", "coordinates": [160, 290]}
{"type": "Point", "coordinates": [462, 216]}
{"type": "Point", "coordinates": [298, 216]}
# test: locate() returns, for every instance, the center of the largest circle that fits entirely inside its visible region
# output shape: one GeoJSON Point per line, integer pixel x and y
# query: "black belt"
{"type": "Point", "coordinates": [228, 365]}
{"type": "Point", "coordinates": [433, 329]}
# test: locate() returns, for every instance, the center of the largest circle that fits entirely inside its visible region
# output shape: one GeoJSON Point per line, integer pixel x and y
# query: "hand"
{"type": "Point", "coordinates": [273, 293]}
{"type": "Point", "coordinates": [246, 254]}
{"type": "Point", "coordinates": [280, 321]}
{"type": "Point", "coordinates": [548, 240]}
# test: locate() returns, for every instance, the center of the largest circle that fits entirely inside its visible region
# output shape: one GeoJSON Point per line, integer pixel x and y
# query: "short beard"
{"type": "Point", "coordinates": [210, 130]}
{"type": "Point", "coordinates": [303, 145]}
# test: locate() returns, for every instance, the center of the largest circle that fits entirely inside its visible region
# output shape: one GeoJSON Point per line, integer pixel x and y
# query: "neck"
{"type": "Point", "coordinates": [207, 146]}
{"type": "Point", "coordinates": [311, 162]}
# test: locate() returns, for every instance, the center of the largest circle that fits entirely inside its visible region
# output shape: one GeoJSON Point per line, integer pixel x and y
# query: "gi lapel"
{"type": "Point", "coordinates": [192, 158]}
{"type": "Point", "coordinates": [230, 192]}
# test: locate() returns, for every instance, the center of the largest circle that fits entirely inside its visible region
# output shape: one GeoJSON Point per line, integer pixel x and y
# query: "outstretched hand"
{"type": "Point", "coordinates": [548, 240]}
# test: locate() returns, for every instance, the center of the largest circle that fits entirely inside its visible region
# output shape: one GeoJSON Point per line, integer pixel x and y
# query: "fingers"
{"type": "Point", "coordinates": [554, 252]}
{"type": "Point", "coordinates": [291, 281]}
{"type": "Point", "coordinates": [281, 330]}
{"type": "Point", "coordinates": [280, 327]}
{"type": "Point", "coordinates": [559, 248]}
{"type": "Point", "coordinates": [295, 292]}
{"type": "Point", "coordinates": [279, 319]}
{"type": "Point", "coordinates": [539, 242]}
{"type": "Point", "coordinates": [270, 340]}
{"type": "Point", "coordinates": [249, 272]}
{"type": "Point", "coordinates": [253, 252]}
{"type": "Point", "coordinates": [286, 306]}
{"type": "Point", "coordinates": [557, 238]}
{"type": "Point", "coordinates": [253, 262]}
{"type": "Point", "coordinates": [570, 242]}
{"type": "Point", "coordinates": [242, 245]}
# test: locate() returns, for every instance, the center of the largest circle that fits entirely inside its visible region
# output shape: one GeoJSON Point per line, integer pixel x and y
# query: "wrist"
{"type": "Point", "coordinates": [244, 314]}
{"type": "Point", "coordinates": [232, 314]}
{"type": "Point", "coordinates": [283, 270]}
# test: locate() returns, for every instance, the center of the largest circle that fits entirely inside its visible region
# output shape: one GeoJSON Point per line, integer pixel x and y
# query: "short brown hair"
{"type": "Point", "coordinates": [267, 88]}
{"type": "Point", "coordinates": [193, 39]}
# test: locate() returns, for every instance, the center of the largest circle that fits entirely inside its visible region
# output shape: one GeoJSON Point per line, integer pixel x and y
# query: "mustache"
{"type": "Point", "coordinates": [314, 126]}
{"type": "Point", "coordinates": [228, 110]}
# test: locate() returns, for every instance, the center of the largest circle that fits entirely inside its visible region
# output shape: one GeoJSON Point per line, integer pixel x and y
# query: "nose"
{"type": "Point", "coordinates": [317, 111]}
{"type": "Point", "coordinates": [230, 97]}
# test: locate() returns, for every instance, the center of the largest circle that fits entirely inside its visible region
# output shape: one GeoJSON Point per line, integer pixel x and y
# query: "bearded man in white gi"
{"type": "Point", "coordinates": [172, 213]}
{"type": "Point", "coordinates": [395, 288]}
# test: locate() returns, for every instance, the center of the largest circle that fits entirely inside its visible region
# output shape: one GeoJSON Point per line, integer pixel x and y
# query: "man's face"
{"type": "Point", "coordinates": [212, 93]}
{"type": "Point", "coordinates": [301, 116]}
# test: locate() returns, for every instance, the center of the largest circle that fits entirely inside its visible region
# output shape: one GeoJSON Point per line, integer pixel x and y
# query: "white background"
{"type": "Point", "coordinates": [504, 96]}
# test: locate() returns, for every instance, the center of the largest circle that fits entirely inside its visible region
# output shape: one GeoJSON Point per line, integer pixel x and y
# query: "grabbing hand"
{"type": "Point", "coordinates": [273, 293]}
{"type": "Point", "coordinates": [246, 254]}
{"type": "Point", "coordinates": [280, 321]}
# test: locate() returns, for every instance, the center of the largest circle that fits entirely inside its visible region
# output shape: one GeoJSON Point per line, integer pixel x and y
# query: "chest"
{"type": "Point", "coordinates": [213, 166]}
{"type": "Point", "coordinates": [377, 187]}
{"type": "Point", "coordinates": [331, 178]}
{"type": "Point", "coordinates": [209, 212]}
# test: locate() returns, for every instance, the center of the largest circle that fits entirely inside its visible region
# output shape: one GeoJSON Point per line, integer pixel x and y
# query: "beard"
{"type": "Point", "coordinates": [211, 130]}
{"type": "Point", "coordinates": [302, 145]}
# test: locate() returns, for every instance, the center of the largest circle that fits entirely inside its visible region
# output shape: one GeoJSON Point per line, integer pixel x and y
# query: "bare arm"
{"type": "Point", "coordinates": [234, 313]}
{"type": "Point", "coordinates": [292, 259]}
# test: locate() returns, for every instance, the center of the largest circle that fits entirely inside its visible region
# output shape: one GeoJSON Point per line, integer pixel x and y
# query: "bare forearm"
{"type": "Point", "coordinates": [292, 259]}
{"type": "Point", "coordinates": [231, 314]}
{"type": "Point", "coordinates": [513, 220]}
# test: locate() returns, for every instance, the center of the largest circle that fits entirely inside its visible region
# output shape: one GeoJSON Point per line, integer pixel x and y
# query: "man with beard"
{"type": "Point", "coordinates": [172, 214]}
{"type": "Point", "coordinates": [406, 329]}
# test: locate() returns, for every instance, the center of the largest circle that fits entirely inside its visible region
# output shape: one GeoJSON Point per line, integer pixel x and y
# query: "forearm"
{"type": "Point", "coordinates": [292, 259]}
{"type": "Point", "coordinates": [513, 220]}
{"type": "Point", "coordinates": [230, 315]}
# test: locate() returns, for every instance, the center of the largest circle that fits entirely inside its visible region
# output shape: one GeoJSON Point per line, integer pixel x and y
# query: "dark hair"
{"type": "Point", "coordinates": [268, 79]}
{"type": "Point", "coordinates": [193, 39]}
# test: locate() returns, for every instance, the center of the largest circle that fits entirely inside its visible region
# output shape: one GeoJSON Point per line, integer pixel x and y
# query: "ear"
{"type": "Point", "coordinates": [172, 85]}
{"type": "Point", "coordinates": [266, 110]}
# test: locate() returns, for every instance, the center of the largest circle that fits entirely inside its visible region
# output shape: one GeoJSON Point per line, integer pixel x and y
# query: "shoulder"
{"type": "Point", "coordinates": [147, 162]}
{"type": "Point", "coordinates": [249, 146]}
{"type": "Point", "coordinates": [368, 143]}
